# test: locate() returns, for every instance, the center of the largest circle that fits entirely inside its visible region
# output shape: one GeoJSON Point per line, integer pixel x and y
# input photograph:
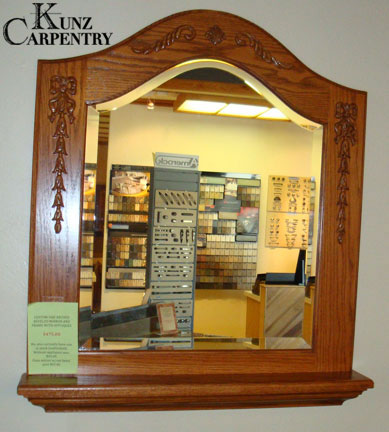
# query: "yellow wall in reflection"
{"type": "Point", "coordinates": [220, 313]}
{"type": "Point", "coordinates": [224, 145]}
{"type": "Point", "coordinates": [85, 297]}
{"type": "Point", "coordinates": [92, 134]}
{"type": "Point", "coordinates": [117, 299]}
{"type": "Point", "coordinates": [113, 299]}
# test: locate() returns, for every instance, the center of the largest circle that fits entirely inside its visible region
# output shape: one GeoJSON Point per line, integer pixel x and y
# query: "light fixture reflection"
{"type": "Point", "coordinates": [242, 110]}
{"type": "Point", "coordinates": [201, 107]}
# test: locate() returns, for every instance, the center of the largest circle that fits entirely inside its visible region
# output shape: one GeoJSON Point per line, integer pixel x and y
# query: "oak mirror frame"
{"type": "Point", "coordinates": [142, 380]}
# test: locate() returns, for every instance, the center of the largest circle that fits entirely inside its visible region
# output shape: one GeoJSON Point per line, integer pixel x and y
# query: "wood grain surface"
{"type": "Point", "coordinates": [123, 393]}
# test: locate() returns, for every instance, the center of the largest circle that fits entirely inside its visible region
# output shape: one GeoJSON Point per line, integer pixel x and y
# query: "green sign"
{"type": "Point", "coordinates": [52, 338]}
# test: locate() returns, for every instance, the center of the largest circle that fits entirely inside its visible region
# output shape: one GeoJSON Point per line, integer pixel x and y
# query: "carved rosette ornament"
{"type": "Point", "coordinates": [61, 107]}
{"type": "Point", "coordinates": [345, 138]}
{"type": "Point", "coordinates": [215, 35]}
{"type": "Point", "coordinates": [243, 39]}
{"type": "Point", "coordinates": [186, 31]}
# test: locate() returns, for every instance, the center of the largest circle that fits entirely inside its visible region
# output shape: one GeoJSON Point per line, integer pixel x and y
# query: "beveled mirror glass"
{"type": "Point", "coordinates": [258, 203]}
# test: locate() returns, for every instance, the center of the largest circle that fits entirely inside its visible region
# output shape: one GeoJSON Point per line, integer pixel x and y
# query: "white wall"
{"type": "Point", "coordinates": [344, 41]}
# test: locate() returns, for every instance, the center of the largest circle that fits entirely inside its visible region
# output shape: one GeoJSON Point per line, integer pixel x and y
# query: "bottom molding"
{"type": "Point", "coordinates": [189, 392]}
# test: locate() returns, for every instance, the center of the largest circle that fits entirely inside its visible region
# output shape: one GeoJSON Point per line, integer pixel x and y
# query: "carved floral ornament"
{"type": "Point", "coordinates": [345, 138]}
{"type": "Point", "coordinates": [61, 107]}
{"type": "Point", "coordinates": [185, 31]}
{"type": "Point", "coordinates": [215, 35]}
{"type": "Point", "coordinates": [243, 39]}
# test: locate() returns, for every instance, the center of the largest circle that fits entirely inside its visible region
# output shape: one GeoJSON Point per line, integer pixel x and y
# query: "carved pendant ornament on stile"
{"type": "Point", "coordinates": [345, 137]}
{"type": "Point", "coordinates": [61, 107]}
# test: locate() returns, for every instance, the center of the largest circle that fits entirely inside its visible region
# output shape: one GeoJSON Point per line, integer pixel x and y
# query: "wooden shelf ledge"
{"type": "Point", "coordinates": [150, 393]}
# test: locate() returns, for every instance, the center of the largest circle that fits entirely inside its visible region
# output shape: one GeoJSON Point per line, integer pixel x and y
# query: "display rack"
{"type": "Point", "coordinates": [290, 208]}
{"type": "Point", "coordinates": [127, 227]}
{"type": "Point", "coordinates": [290, 214]}
{"type": "Point", "coordinates": [172, 261]}
{"type": "Point", "coordinates": [87, 276]}
{"type": "Point", "coordinates": [227, 244]}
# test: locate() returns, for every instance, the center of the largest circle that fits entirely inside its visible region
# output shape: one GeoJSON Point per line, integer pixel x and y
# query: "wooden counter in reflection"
{"type": "Point", "coordinates": [280, 311]}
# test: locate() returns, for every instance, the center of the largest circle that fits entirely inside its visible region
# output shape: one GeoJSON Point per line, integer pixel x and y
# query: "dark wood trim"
{"type": "Point", "coordinates": [178, 85]}
{"type": "Point", "coordinates": [55, 257]}
{"type": "Point", "coordinates": [121, 393]}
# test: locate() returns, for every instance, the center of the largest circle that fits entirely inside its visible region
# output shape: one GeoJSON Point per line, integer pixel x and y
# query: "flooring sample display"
{"type": "Point", "coordinates": [127, 225]}
{"type": "Point", "coordinates": [227, 243]}
{"type": "Point", "coordinates": [87, 276]}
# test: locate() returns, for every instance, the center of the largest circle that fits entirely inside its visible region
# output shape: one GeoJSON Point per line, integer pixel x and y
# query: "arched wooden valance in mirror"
{"type": "Point", "coordinates": [197, 379]}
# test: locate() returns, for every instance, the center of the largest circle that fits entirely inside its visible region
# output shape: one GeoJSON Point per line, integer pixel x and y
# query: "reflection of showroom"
{"type": "Point", "coordinates": [246, 168]}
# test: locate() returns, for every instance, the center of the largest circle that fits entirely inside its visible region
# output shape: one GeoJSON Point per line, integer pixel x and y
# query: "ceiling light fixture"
{"type": "Point", "coordinates": [150, 104]}
{"type": "Point", "coordinates": [201, 106]}
{"type": "Point", "coordinates": [242, 110]}
{"type": "Point", "coordinates": [227, 106]}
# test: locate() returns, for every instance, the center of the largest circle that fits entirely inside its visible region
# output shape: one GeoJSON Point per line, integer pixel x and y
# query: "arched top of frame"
{"type": "Point", "coordinates": [196, 34]}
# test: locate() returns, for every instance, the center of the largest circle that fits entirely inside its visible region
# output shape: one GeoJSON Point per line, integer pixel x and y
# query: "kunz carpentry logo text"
{"type": "Point", "coordinates": [47, 26]}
